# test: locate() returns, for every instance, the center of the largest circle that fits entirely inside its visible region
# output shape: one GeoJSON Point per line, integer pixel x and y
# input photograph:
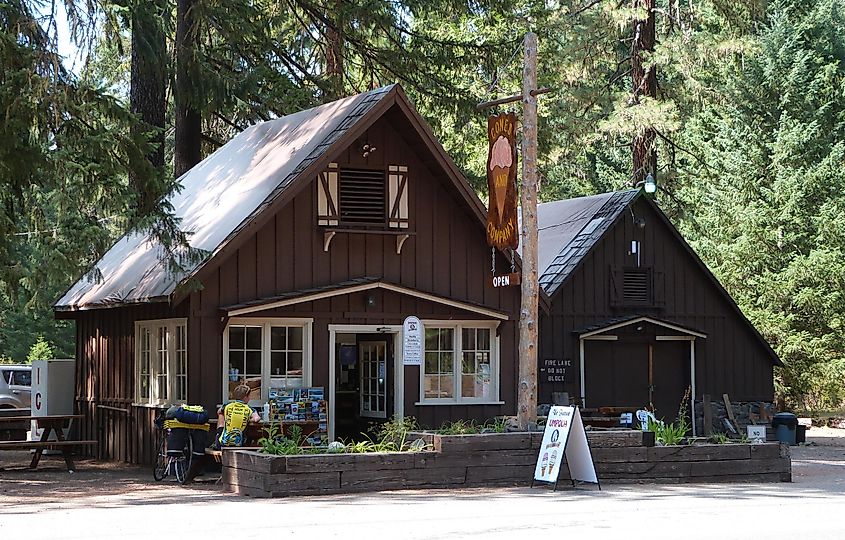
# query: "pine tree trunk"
{"type": "Point", "coordinates": [187, 150]}
{"type": "Point", "coordinates": [146, 99]}
{"type": "Point", "coordinates": [334, 52]}
{"type": "Point", "coordinates": [526, 412]}
{"type": "Point", "coordinates": [644, 81]}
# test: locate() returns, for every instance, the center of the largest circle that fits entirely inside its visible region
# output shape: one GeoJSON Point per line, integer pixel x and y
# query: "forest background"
{"type": "Point", "coordinates": [737, 108]}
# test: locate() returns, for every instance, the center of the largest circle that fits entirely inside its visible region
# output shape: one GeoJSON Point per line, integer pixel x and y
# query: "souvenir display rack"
{"type": "Point", "coordinates": [305, 407]}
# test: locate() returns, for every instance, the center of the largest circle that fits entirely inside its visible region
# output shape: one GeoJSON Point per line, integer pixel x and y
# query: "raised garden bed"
{"type": "Point", "coordinates": [458, 461]}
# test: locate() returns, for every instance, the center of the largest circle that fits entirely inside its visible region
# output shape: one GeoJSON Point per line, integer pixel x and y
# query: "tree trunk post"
{"type": "Point", "coordinates": [643, 83]}
{"type": "Point", "coordinates": [187, 144]}
{"type": "Point", "coordinates": [527, 390]}
{"type": "Point", "coordinates": [147, 100]}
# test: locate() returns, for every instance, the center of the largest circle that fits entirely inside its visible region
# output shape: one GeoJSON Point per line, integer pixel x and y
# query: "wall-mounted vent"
{"type": "Point", "coordinates": [362, 197]}
{"type": "Point", "coordinates": [635, 286]}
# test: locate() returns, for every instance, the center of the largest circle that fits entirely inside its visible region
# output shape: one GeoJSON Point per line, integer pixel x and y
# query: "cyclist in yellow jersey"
{"type": "Point", "coordinates": [233, 418]}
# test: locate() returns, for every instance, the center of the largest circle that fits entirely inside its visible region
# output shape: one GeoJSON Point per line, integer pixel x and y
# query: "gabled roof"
{"type": "Point", "coordinates": [228, 193]}
{"type": "Point", "coordinates": [218, 195]}
{"type": "Point", "coordinates": [619, 322]}
{"type": "Point", "coordinates": [568, 229]}
{"type": "Point", "coordinates": [348, 287]}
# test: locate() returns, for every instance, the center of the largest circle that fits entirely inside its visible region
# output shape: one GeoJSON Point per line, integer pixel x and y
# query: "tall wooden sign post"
{"type": "Point", "coordinates": [498, 225]}
{"type": "Point", "coordinates": [527, 389]}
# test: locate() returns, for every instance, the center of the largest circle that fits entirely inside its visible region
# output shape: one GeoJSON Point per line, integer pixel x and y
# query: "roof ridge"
{"type": "Point", "coordinates": [571, 254]}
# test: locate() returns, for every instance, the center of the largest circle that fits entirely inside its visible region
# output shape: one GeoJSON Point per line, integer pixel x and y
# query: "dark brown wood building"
{"type": "Point", "coordinates": [635, 316]}
{"type": "Point", "coordinates": [323, 231]}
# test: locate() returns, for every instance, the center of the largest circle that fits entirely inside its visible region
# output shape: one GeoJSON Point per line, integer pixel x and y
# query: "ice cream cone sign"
{"type": "Point", "coordinates": [501, 182]}
{"type": "Point", "coordinates": [500, 165]}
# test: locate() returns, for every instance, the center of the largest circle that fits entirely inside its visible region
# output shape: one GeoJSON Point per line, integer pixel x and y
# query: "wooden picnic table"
{"type": "Point", "coordinates": [49, 424]}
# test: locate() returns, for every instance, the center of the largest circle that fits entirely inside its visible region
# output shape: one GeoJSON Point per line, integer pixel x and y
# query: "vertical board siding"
{"type": "Point", "coordinates": [446, 254]}
{"type": "Point", "coordinates": [105, 376]}
{"type": "Point", "coordinates": [730, 360]}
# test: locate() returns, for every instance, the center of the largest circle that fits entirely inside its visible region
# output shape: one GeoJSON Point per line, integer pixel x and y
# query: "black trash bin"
{"type": "Point", "coordinates": [785, 425]}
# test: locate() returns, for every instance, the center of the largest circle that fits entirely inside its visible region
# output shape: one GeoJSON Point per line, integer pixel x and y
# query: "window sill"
{"type": "Point", "coordinates": [462, 403]}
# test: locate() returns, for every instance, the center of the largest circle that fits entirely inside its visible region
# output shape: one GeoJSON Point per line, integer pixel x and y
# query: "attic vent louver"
{"type": "Point", "coordinates": [362, 197]}
{"type": "Point", "coordinates": [635, 286]}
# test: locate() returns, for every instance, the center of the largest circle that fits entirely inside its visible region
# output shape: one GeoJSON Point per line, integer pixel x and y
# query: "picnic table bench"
{"type": "Point", "coordinates": [49, 424]}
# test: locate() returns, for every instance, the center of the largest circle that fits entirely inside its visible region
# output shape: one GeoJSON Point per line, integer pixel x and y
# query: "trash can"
{"type": "Point", "coordinates": [785, 425]}
{"type": "Point", "coordinates": [801, 434]}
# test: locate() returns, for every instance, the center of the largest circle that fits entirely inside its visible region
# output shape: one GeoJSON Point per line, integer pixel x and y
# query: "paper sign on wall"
{"type": "Point", "coordinates": [564, 437]}
{"type": "Point", "coordinates": [412, 341]}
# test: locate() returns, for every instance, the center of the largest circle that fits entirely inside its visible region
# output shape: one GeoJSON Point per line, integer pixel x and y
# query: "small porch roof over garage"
{"type": "Point", "coordinates": [620, 322]}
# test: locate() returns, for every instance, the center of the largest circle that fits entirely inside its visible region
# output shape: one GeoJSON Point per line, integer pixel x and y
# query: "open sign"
{"type": "Point", "coordinates": [505, 280]}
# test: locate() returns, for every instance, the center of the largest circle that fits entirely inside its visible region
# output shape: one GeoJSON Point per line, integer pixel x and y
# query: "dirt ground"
{"type": "Point", "coordinates": [93, 484]}
{"type": "Point", "coordinates": [820, 463]}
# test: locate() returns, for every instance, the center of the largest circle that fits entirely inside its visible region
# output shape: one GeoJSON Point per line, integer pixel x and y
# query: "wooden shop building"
{"type": "Point", "coordinates": [635, 317]}
{"type": "Point", "coordinates": [320, 232]}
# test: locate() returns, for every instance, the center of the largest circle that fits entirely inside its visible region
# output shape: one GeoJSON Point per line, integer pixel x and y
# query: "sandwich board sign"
{"type": "Point", "coordinates": [565, 439]}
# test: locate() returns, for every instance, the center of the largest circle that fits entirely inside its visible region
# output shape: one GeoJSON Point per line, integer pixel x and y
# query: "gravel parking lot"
{"type": "Point", "coordinates": [108, 501]}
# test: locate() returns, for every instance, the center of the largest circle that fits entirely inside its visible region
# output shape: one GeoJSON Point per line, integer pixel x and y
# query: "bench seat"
{"type": "Point", "coordinates": [26, 445]}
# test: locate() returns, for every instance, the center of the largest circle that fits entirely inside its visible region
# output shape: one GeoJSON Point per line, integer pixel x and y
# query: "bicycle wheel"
{"type": "Point", "coordinates": [184, 465]}
{"type": "Point", "coordinates": [161, 460]}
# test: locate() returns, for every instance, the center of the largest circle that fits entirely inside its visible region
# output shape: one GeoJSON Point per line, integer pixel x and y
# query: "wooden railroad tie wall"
{"type": "Point", "coordinates": [499, 460]}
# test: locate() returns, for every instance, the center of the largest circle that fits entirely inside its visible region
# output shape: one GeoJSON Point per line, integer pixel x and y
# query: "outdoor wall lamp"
{"type": "Point", "coordinates": [648, 185]}
{"type": "Point", "coordinates": [370, 300]}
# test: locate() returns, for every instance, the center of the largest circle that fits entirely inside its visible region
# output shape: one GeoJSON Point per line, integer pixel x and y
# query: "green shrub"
{"type": "Point", "coordinates": [40, 350]}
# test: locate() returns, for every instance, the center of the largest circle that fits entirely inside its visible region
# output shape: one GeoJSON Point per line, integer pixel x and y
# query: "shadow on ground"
{"type": "Point", "coordinates": [818, 472]}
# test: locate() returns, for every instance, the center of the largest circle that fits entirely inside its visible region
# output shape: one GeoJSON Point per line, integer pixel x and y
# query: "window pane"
{"type": "Point", "coordinates": [145, 386]}
{"type": "Point", "coordinates": [253, 338]}
{"type": "Point", "coordinates": [236, 337]}
{"type": "Point", "coordinates": [295, 339]}
{"type": "Point", "coordinates": [162, 387]}
{"type": "Point", "coordinates": [447, 385]}
{"type": "Point", "coordinates": [182, 388]}
{"type": "Point", "coordinates": [295, 364]}
{"type": "Point", "coordinates": [468, 365]}
{"type": "Point", "coordinates": [278, 339]}
{"type": "Point", "coordinates": [277, 364]}
{"type": "Point", "coordinates": [431, 337]}
{"type": "Point", "coordinates": [236, 361]}
{"type": "Point", "coordinates": [253, 363]}
{"type": "Point", "coordinates": [468, 338]}
{"type": "Point", "coordinates": [22, 378]}
{"type": "Point", "coordinates": [431, 362]}
{"type": "Point", "coordinates": [145, 362]}
{"type": "Point", "coordinates": [431, 387]}
{"type": "Point", "coordinates": [446, 339]}
{"type": "Point", "coordinates": [446, 363]}
{"type": "Point", "coordinates": [181, 363]}
{"type": "Point", "coordinates": [483, 338]}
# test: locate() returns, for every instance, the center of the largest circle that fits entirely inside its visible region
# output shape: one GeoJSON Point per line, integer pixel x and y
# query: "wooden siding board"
{"type": "Point", "coordinates": [730, 357]}
{"type": "Point", "coordinates": [287, 254]}
{"type": "Point", "coordinates": [266, 260]}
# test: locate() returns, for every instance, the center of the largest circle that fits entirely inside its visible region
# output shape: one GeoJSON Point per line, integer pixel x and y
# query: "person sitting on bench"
{"type": "Point", "coordinates": [233, 418]}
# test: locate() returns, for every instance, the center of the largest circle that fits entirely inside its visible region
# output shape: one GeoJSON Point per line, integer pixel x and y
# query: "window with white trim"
{"type": "Point", "coordinates": [461, 363]}
{"type": "Point", "coordinates": [265, 353]}
{"type": "Point", "coordinates": [161, 361]}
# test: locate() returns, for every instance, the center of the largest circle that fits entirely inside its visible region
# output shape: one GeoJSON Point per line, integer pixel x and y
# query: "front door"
{"type": "Point", "coordinates": [372, 356]}
{"type": "Point", "coordinates": [670, 378]}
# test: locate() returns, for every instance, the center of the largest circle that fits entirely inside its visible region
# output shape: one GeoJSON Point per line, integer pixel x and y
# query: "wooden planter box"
{"type": "Point", "coordinates": [498, 459]}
